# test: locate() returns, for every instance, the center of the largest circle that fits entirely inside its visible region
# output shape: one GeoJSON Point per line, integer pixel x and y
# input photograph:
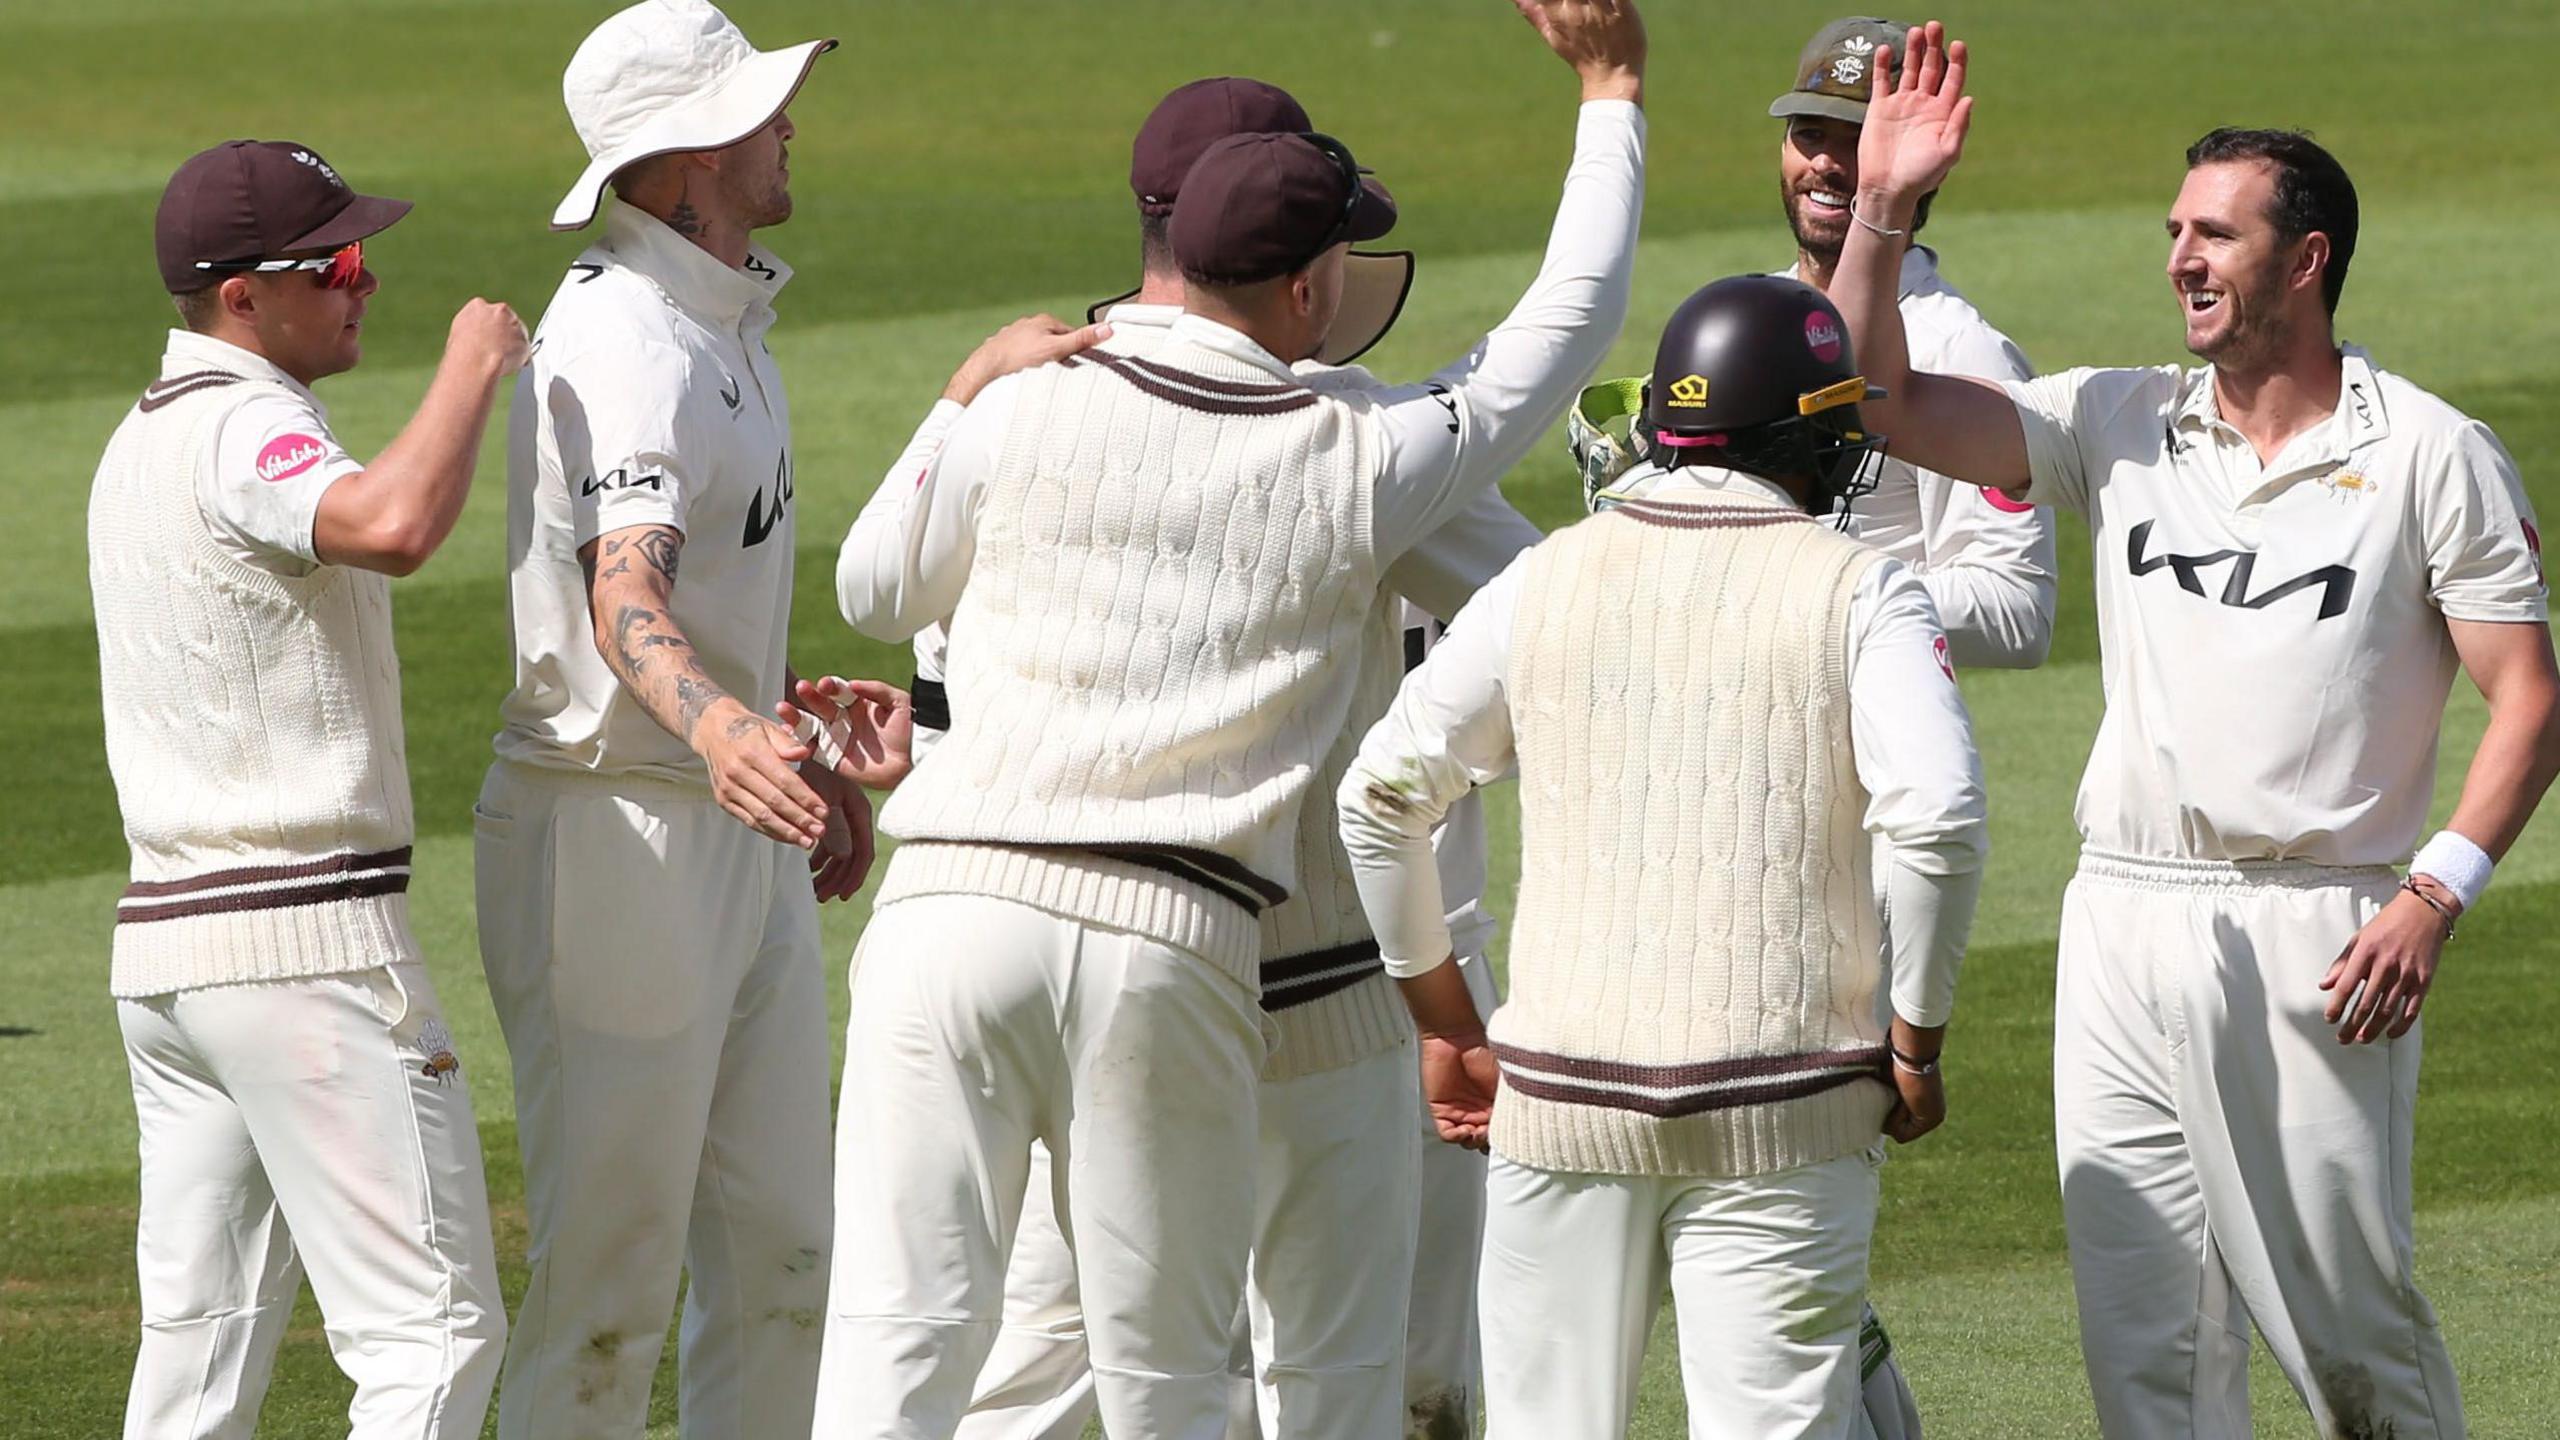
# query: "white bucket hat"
{"type": "Point", "coordinates": [666, 76]}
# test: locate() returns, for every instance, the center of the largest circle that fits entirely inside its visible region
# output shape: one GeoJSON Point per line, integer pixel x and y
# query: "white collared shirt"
{"type": "Point", "coordinates": [260, 480]}
{"type": "Point", "coordinates": [1912, 741]}
{"type": "Point", "coordinates": [1987, 560]}
{"type": "Point", "coordinates": [650, 399]}
{"type": "Point", "coordinates": [2273, 636]}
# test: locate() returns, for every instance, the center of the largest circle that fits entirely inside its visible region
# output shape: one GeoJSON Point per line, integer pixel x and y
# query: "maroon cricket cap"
{"type": "Point", "coordinates": [256, 200]}
{"type": "Point", "coordinates": [1259, 206]}
{"type": "Point", "coordinates": [1194, 117]}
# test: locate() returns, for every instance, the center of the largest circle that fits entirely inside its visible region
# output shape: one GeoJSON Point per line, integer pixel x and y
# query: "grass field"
{"type": "Point", "coordinates": [959, 163]}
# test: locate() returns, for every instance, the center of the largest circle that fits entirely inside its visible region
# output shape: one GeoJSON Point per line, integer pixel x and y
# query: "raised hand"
{"type": "Point", "coordinates": [1603, 40]}
{"type": "Point", "coordinates": [863, 730]}
{"type": "Point", "coordinates": [1916, 120]}
{"type": "Point", "coordinates": [1031, 341]}
{"type": "Point", "coordinates": [489, 332]}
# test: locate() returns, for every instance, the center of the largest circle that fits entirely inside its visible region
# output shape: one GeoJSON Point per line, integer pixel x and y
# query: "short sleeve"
{"type": "Point", "coordinates": [2484, 559]}
{"type": "Point", "coordinates": [616, 424]}
{"type": "Point", "coordinates": [272, 461]}
{"type": "Point", "coordinates": [2049, 417]}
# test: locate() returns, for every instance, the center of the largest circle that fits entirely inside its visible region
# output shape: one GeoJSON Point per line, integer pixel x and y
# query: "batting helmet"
{"type": "Point", "coordinates": [1754, 374]}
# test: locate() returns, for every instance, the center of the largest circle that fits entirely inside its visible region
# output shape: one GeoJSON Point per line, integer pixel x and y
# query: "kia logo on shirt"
{"type": "Point", "coordinates": [760, 518]}
{"type": "Point", "coordinates": [289, 455]}
{"type": "Point", "coordinates": [2336, 583]}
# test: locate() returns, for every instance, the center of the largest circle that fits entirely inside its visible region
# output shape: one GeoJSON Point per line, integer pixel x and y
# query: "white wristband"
{"type": "Point", "coordinates": [2453, 862]}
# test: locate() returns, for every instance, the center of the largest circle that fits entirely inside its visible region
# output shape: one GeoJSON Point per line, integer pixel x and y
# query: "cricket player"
{"type": "Point", "coordinates": [2296, 551]}
{"type": "Point", "coordinates": [1326, 1341]}
{"type": "Point", "coordinates": [1160, 571]}
{"type": "Point", "coordinates": [301, 1104]}
{"type": "Point", "coordinates": [1985, 559]}
{"type": "Point", "coordinates": [654, 960]}
{"type": "Point", "coordinates": [1711, 699]}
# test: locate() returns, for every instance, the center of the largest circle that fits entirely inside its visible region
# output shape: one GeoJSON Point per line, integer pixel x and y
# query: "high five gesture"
{"type": "Point", "coordinates": [1915, 126]}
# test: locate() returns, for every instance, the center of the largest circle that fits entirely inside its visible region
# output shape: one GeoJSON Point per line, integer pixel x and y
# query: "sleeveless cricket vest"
{"type": "Point", "coordinates": [1325, 988]}
{"type": "Point", "coordinates": [1173, 565]}
{"type": "Point", "coordinates": [252, 727]}
{"type": "Point", "coordinates": [1693, 964]}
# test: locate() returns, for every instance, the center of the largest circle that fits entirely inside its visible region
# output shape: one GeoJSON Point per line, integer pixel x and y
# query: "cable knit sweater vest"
{"type": "Point", "coordinates": [1173, 565]}
{"type": "Point", "coordinates": [253, 729]}
{"type": "Point", "coordinates": [1693, 967]}
{"type": "Point", "coordinates": [1322, 981]}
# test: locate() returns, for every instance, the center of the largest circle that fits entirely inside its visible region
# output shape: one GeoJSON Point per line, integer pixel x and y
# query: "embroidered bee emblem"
{"type": "Point", "coordinates": [435, 1043]}
{"type": "Point", "coordinates": [2348, 484]}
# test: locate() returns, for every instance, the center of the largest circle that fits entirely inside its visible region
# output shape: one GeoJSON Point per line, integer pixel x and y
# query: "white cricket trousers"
{"type": "Point", "coordinates": [1443, 1360]}
{"type": "Point", "coordinates": [1325, 1346]}
{"type": "Point", "coordinates": [978, 1025]}
{"type": "Point", "coordinates": [1334, 1234]}
{"type": "Point", "coordinates": [297, 1126]}
{"type": "Point", "coordinates": [1768, 1277]}
{"type": "Point", "coordinates": [656, 968]}
{"type": "Point", "coordinates": [2226, 1162]}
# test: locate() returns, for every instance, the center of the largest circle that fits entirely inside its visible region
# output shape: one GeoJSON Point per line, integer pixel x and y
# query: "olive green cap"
{"type": "Point", "coordinates": [1836, 72]}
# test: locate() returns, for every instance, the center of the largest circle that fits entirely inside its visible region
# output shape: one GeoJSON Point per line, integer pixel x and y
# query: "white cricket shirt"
{"type": "Point", "coordinates": [259, 483]}
{"type": "Point", "coordinates": [650, 400]}
{"type": "Point", "coordinates": [2273, 637]}
{"type": "Point", "coordinates": [1450, 730]}
{"type": "Point", "coordinates": [1987, 560]}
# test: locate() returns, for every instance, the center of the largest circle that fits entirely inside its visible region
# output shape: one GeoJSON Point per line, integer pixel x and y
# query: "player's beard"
{"type": "Point", "coordinates": [2256, 334]}
{"type": "Point", "coordinates": [1816, 235]}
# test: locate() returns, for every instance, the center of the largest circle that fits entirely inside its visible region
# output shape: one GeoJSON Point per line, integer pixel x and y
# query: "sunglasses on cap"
{"type": "Point", "coordinates": [1340, 155]}
{"type": "Point", "coordinates": [338, 270]}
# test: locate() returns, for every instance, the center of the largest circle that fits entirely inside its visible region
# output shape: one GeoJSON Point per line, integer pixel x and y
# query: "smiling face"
{"type": "Point", "coordinates": [1817, 174]}
{"type": "Point", "coordinates": [2243, 286]}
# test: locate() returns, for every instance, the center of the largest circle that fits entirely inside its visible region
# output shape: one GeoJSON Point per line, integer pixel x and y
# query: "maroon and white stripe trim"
{"type": "Point", "coordinates": [1203, 393]}
{"type": "Point", "coordinates": [179, 387]}
{"type": "Point", "coordinates": [347, 876]}
{"type": "Point", "coordinates": [1669, 1091]}
{"type": "Point", "coordinates": [1299, 979]}
{"type": "Point", "coordinates": [1706, 517]}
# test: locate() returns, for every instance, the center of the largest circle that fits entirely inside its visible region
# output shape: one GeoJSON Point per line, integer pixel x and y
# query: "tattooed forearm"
{"type": "Point", "coordinates": [661, 548]}
{"type": "Point", "coordinates": [642, 645]}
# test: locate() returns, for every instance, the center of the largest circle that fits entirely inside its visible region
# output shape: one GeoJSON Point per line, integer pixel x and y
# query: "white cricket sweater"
{"type": "Point", "coordinates": [1326, 990]}
{"type": "Point", "coordinates": [1173, 567]}
{"type": "Point", "coordinates": [252, 726]}
{"type": "Point", "coordinates": [1693, 963]}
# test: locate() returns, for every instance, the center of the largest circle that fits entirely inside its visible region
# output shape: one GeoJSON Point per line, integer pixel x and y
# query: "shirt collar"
{"type": "Point", "coordinates": [1919, 267]}
{"type": "Point", "coordinates": [2359, 419]}
{"type": "Point", "coordinates": [1696, 484]}
{"type": "Point", "coordinates": [190, 351]}
{"type": "Point", "coordinates": [692, 276]}
{"type": "Point", "coordinates": [1226, 340]}
{"type": "Point", "coordinates": [1144, 317]}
